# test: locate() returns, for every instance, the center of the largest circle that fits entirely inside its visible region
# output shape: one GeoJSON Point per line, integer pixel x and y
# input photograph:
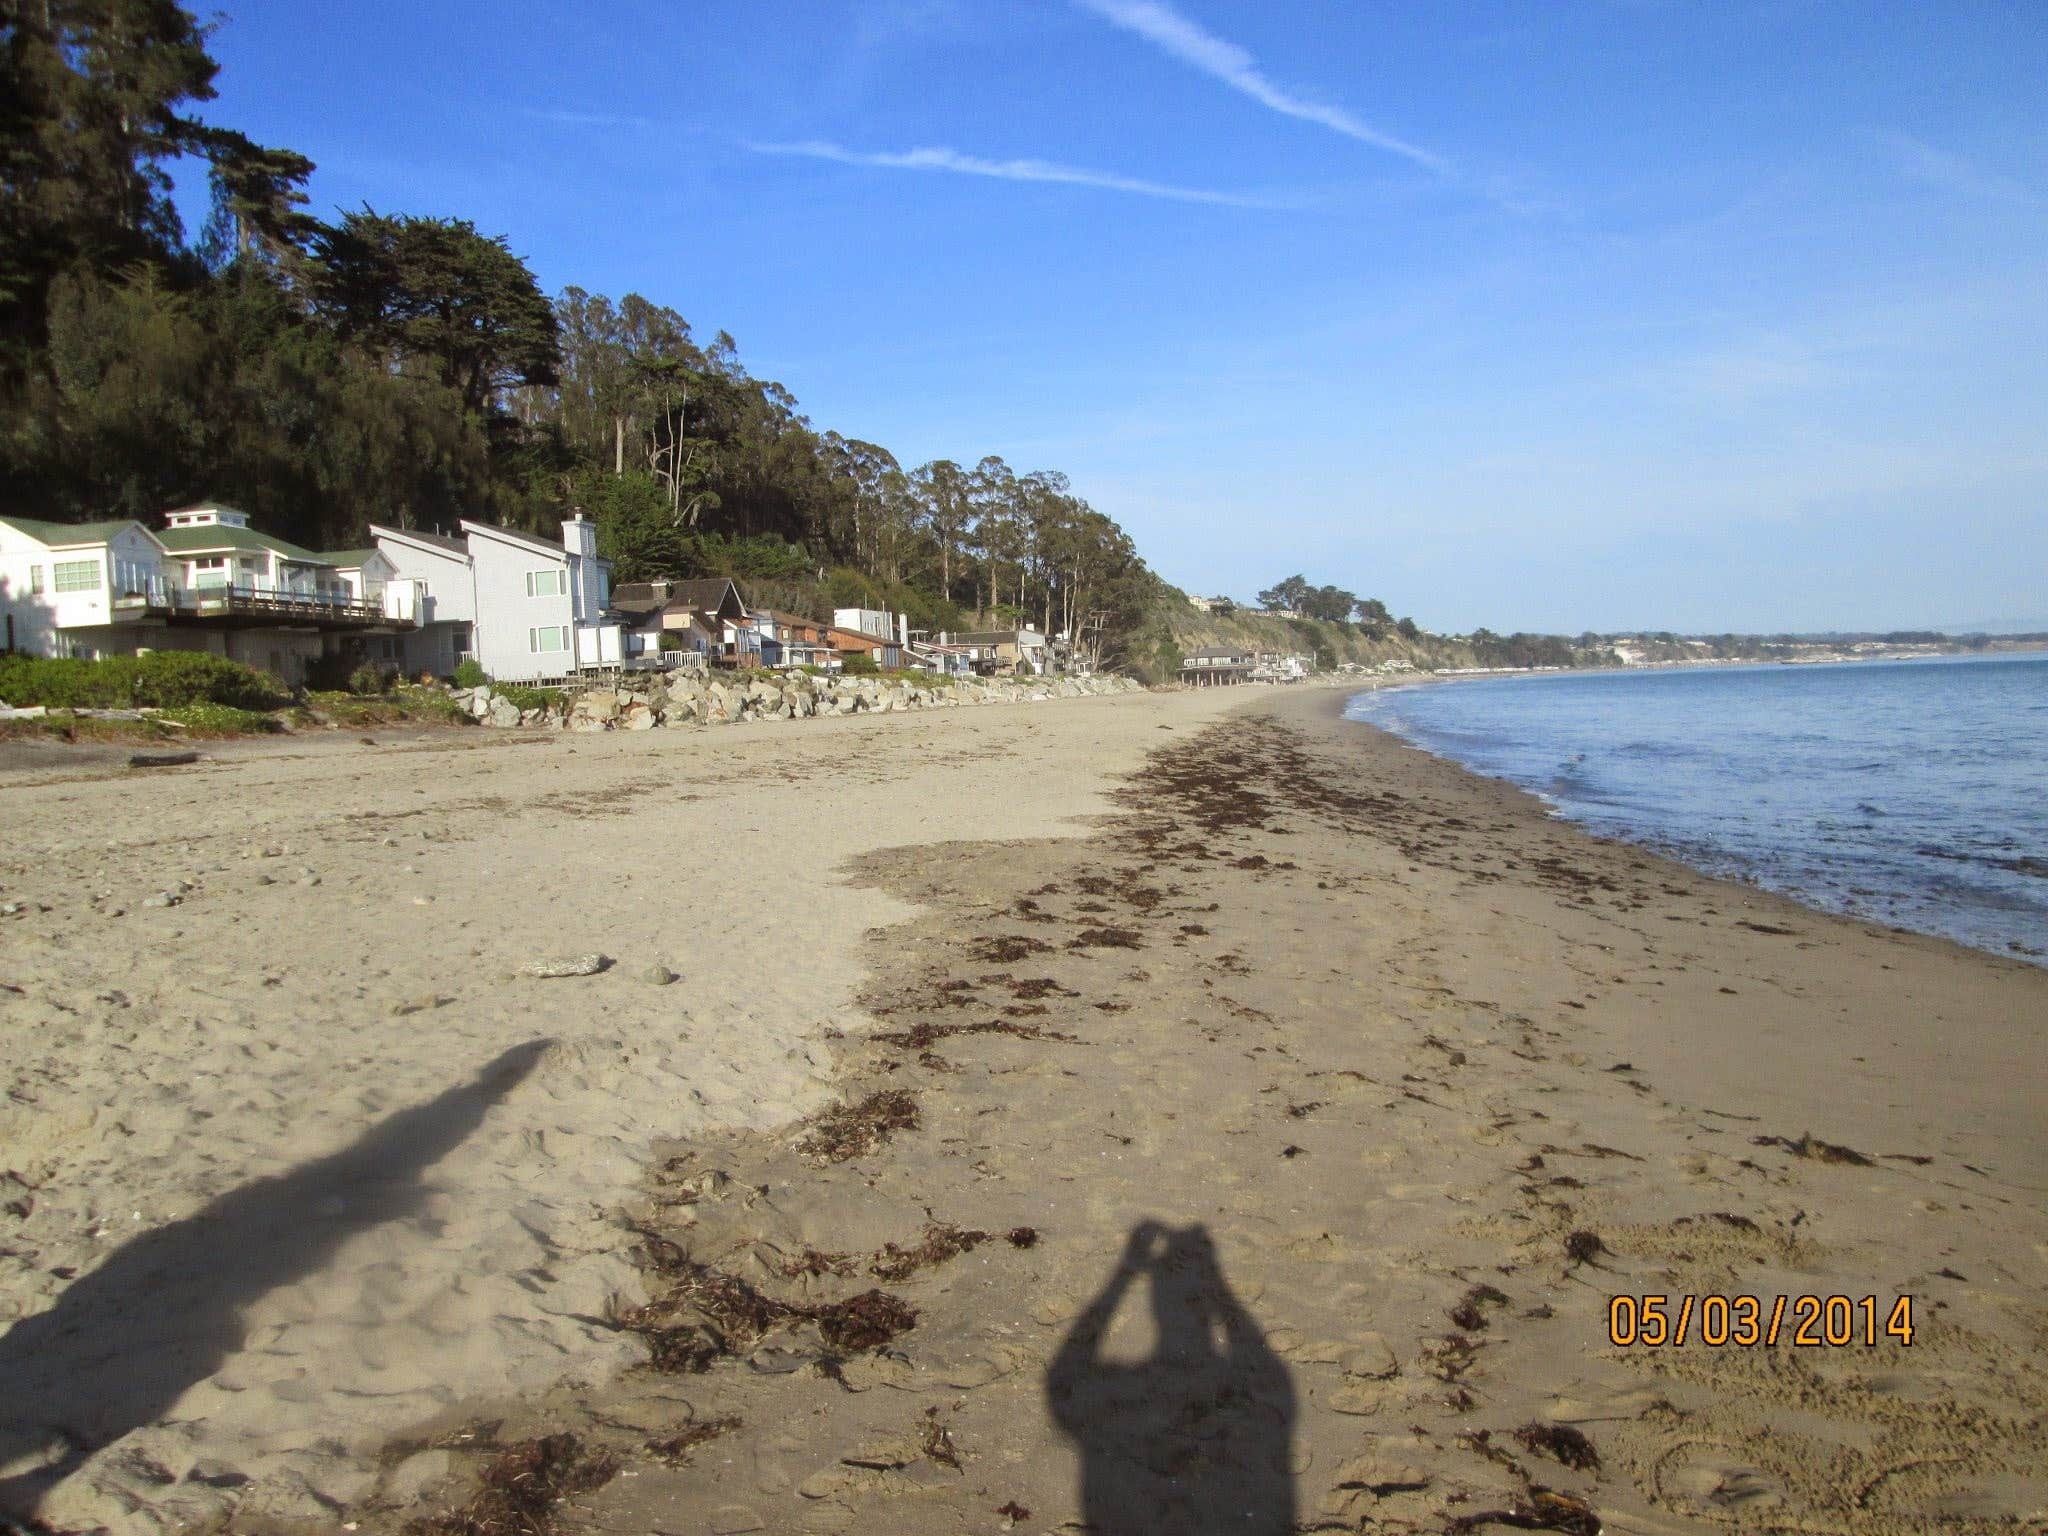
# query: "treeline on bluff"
{"type": "Point", "coordinates": [407, 369]}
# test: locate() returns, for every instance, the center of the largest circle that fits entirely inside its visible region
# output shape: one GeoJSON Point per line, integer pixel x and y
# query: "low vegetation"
{"type": "Point", "coordinates": [158, 680]}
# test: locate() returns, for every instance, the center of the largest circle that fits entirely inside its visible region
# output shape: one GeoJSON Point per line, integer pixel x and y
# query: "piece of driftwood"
{"type": "Point", "coordinates": [161, 759]}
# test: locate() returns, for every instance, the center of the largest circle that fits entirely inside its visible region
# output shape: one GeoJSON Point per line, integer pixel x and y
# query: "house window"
{"type": "Point", "coordinates": [35, 580]}
{"type": "Point", "coordinates": [548, 638]}
{"type": "Point", "coordinates": [76, 575]}
{"type": "Point", "coordinates": [547, 583]}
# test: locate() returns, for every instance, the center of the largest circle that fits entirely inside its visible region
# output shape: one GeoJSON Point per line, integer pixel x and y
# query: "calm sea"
{"type": "Point", "coordinates": [1913, 793]}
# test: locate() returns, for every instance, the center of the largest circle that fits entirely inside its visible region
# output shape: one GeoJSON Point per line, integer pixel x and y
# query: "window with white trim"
{"type": "Point", "coordinates": [35, 580]}
{"type": "Point", "coordinates": [75, 575]}
{"type": "Point", "coordinates": [547, 639]}
{"type": "Point", "coordinates": [547, 583]}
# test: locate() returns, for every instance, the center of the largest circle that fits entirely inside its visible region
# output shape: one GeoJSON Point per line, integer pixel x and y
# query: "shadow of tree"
{"type": "Point", "coordinates": [164, 1311]}
{"type": "Point", "coordinates": [1195, 1440]}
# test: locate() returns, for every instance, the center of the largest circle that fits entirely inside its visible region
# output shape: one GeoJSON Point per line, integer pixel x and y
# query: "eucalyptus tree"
{"type": "Point", "coordinates": [943, 494]}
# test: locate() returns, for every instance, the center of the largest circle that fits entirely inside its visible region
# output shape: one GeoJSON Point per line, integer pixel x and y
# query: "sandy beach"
{"type": "Point", "coordinates": [1183, 1111]}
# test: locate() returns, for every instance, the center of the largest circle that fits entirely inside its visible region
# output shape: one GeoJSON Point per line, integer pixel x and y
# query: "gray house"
{"type": "Point", "coordinates": [522, 607]}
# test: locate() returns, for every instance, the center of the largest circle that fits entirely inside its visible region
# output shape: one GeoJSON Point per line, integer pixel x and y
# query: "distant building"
{"type": "Point", "coordinates": [790, 640]}
{"type": "Point", "coordinates": [1210, 668]}
{"type": "Point", "coordinates": [1004, 650]}
{"type": "Point", "coordinates": [1221, 606]}
{"type": "Point", "coordinates": [688, 616]}
{"type": "Point", "coordinates": [845, 643]}
{"type": "Point", "coordinates": [878, 622]}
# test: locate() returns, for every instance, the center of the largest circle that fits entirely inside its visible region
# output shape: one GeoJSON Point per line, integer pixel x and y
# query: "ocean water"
{"type": "Point", "coordinates": [1913, 793]}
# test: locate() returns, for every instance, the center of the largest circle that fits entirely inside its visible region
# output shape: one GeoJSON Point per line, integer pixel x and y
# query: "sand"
{"type": "Point", "coordinates": [259, 1266]}
{"type": "Point", "coordinates": [1283, 1106]}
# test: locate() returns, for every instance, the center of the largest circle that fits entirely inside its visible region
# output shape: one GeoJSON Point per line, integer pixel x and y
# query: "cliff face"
{"type": "Point", "coordinates": [1179, 628]}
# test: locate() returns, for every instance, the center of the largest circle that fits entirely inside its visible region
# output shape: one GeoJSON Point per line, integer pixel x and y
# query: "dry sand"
{"type": "Point", "coordinates": [285, 1189]}
{"type": "Point", "coordinates": [1338, 1092]}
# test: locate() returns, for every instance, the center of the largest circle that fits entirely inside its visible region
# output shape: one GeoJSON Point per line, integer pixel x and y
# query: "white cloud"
{"type": "Point", "coordinates": [956, 163]}
{"type": "Point", "coordinates": [1187, 40]}
{"type": "Point", "coordinates": [1923, 162]}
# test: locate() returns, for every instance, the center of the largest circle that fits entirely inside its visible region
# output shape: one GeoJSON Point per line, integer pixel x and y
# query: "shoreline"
{"type": "Point", "coordinates": [1414, 1303]}
{"type": "Point", "coordinates": [1389, 1035]}
{"type": "Point", "coordinates": [1734, 868]}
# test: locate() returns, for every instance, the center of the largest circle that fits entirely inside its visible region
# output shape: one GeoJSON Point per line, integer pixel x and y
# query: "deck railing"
{"type": "Point", "coordinates": [168, 597]}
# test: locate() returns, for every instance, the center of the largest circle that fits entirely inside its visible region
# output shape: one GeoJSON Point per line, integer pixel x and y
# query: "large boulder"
{"type": "Point", "coordinates": [504, 712]}
{"type": "Point", "coordinates": [638, 717]}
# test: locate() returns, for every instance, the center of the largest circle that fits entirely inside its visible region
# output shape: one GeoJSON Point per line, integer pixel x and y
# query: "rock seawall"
{"type": "Point", "coordinates": [639, 704]}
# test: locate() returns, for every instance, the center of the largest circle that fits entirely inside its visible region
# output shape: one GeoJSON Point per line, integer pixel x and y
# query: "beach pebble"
{"type": "Point", "coordinates": [309, 879]}
{"type": "Point", "coordinates": [576, 965]}
{"type": "Point", "coordinates": [659, 975]}
{"type": "Point", "coordinates": [162, 899]}
{"type": "Point", "coordinates": [734, 1520]}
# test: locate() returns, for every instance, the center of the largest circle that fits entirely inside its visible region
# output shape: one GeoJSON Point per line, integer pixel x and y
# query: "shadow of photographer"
{"type": "Point", "coordinates": [1195, 1439]}
{"type": "Point", "coordinates": [164, 1312]}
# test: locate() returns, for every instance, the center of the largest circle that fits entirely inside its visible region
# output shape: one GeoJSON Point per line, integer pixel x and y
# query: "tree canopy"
{"type": "Point", "coordinates": [408, 368]}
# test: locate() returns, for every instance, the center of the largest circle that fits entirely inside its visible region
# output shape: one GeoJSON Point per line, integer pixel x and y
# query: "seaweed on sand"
{"type": "Point", "coordinates": [1584, 1247]}
{"type": "Point", "coordinates": [924, 1035]}
{"type": "Point", "coordinates": [1561, 1443]}
{"type": "Point", "coordinates": [708, 1313]}
{"type": "Point", "coordinates": [942, 1243]}
{"type": "Point", "coordinates": [866, 1321]}
{"type": "Point", "coordinates": [1811, 1146]}
{"type": "Point", "coordinates": [1106, 938]}
{"type": "Point", "coordinates": [518, 1491]}
{"type": "Point", "coordinates": [1542, 1510]}
{"type": "Point", "coordinates": [853, 1130]}
{"type": "Point", "coordinates": [1470, 1312]}
{"type": "Point", "coordinates": [675, 1449]}
{"type": "Point", "coordinates": [1006, 948]}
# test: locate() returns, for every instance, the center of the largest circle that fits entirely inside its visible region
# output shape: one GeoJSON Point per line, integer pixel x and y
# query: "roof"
{"type": "Point", "coordinates": [349, 559]}
{"type": "Point", "coordinates": [64, 535]}
{"type": "Point", "coordinates": [439, 541]}
{"type": "Point", "coordinates": [706, 594]}
{"type": "Point", "coordinates": [835, 634]}
{"type": "Point", "coordinates": [188, 541]}
{"type": "Point", "coordinates": [640, 597]}
{"type": "Point", "coordinates": [517, 536]}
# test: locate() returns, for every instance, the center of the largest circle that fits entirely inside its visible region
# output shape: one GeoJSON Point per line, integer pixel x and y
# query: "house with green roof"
{"type": "Point", "coordinates": [207, 581]}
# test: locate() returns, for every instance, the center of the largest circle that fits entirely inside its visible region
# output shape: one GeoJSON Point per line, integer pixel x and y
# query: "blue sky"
{"type": "Point", "coordinates": [1544, 314]}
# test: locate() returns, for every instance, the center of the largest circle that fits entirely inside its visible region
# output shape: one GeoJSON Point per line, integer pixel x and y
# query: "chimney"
{"type": "Point", "coordinates": [903, 630]}
{"type": "Point", "coordinates": [579, 535]}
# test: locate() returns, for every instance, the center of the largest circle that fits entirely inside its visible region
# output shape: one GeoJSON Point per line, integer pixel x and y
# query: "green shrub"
{"type": "Point", "coordinates": [470, 673]}
{"type": "Point", "coordinates": [523, 697]}
{"type": "Point", "coordinates": [372, 677]}
{"type": "Point", "coordinates": [859, 664]}
{"type": "Point", "coordinates": [431, 706]}
{"type": "Point", "coordinates": [161, 679]}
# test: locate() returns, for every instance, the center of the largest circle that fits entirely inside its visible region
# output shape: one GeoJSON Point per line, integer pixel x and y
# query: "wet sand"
{"type": "Point", "coordinates": [1261, 1152]}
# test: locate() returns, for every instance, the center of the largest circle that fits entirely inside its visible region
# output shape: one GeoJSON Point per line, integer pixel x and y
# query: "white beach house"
{"type": "Point", "coordinates": [521, 607]}
{"type": "Point", "coordinates": [206, 582]}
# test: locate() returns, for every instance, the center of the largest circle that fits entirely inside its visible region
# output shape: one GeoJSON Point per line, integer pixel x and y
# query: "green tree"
{"type": "Point", "coordinates": [1289, 594]}
{"type": "Point", "coordinates": [433, 294]}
